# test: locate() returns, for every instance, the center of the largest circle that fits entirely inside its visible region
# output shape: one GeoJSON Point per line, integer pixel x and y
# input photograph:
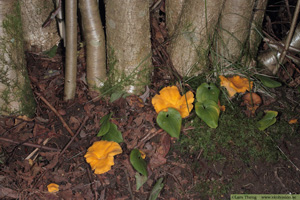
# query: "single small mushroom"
{"type": "Point", "coordinates": [252, 101]}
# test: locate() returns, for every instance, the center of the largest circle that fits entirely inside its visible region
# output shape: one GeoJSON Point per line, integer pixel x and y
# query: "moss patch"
{"type": "Point", "coordinates": [119, 81]}
{"type": "Point", "coordinates": [16, 96]}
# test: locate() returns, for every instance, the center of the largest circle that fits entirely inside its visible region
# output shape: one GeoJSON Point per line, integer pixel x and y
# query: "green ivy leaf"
{"type": "Point", "coordinates": [117, 95]}
{"type": "Point", "coordinates": [268, 82]}
{"type": "Point", "coordinates": [51, 52]}
{"type": "Point", "coordinates": [209, 112]}
{"type": "Point", "coordinates": [138, 162]}
{"type": "Point", "coordinates": [268, 120]}
{"type": "Point", "coordinates": [156, 189]}
{"type": "Point", "coordinates": [105, 125]}
{"type": "Point", "coordinates": [170, 121]}
{"type": "Point", "coordinates": [140, 180]}
{"type": "Point", "coordinates": [207, 91]}
{"type": "Point", "coordinates": [105, 118]}
{"type": "Point", "coordinates": [113, 134]}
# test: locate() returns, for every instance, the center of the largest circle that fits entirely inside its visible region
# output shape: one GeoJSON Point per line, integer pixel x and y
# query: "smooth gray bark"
{"type": "Point", "coordinates": [95, 43]}
{"type": "Point", "coordinates": [189, 45]}
{"type": "Point", "coordinates": [71, 49]}
{"type": "Point", "coordinates": [34, 14]}
{"type": "Point", "coordinates": [128, 43]}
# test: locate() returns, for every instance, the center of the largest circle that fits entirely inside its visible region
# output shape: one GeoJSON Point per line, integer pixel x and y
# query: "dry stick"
{"type": "Point", "coordinates": [81, 148]}
{"type": "Point", "coordinates": [296, 167]}
{"type": "Point", "coordinates": [58, 115]}
{"type": "Point", "coordinates": [147, 137]}
{"type": "Point", "coordinates": [36, 149]}
{"type": "Point", "coordinates": [78, 131]}
{"type": "Point", "coordinates": [289, 37]}
{"type": "Point", "coordinates": [29, 144]}
{"type": "Point", "coordinates": [129, 185]}
{"type": "Point", "coordinates": [288, 10]}
{"type": "Point", "coordinates": [278, 45]}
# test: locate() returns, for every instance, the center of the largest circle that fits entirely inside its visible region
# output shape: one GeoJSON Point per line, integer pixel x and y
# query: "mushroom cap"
{"type": "Point", "coordinates": [256, 99]}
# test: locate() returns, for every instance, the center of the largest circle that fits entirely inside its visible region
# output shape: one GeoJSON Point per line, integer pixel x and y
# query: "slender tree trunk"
{"type": "Point", "coordinates": [193, 35]}
{"type": "Point", "coordinates": [71, 49]}
{"type": "Point", "coordinates": [15, 92]}
{"type": "Point", "coordinates": [95, 43]}
{"type": "Point", "coordinates": [34, 14]}
{"type": "Point", "coordinates": [128, 43]}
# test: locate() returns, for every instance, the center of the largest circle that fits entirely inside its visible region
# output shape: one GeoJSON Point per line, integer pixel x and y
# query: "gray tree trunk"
{"type": "Point", "coordinates": [193, 35]}
{"type": "Point", "coordinates": [34, 14]}
{"type": "Point", "coordinates": [128, 43]}
{"type": "Point", "coordinates": [234, 32]}
{"type": "Point", "coordinates": [173, 12]}
{"type": "Point", "coordinates": [213, 33]}
{"type": "Point", "coordinates": [16, 96]}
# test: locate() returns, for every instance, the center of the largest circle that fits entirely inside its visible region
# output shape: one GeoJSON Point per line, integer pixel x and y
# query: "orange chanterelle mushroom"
{"type": "Point", "coordinates": [169, 97]}
{"type": "Point", "coordinates": [235, 84]}
{"type": "Point", "coordinates": [101, 155]}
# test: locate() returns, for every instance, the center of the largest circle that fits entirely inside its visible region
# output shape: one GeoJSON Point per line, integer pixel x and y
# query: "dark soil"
{"type": "Point", "coordinates": [186, 176]}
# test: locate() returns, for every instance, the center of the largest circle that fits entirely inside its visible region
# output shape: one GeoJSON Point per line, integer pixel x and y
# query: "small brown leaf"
{"type": "Point", "coordinates": [157, 160]}
{"type": "Point", "coordinates": [74, 123]}
{"type": "Point", "coordinates": [62, 112]}
{"type": "Point", "coordinates": [165, 144]}
{"type": "Point", "coordinates": [8, 193]}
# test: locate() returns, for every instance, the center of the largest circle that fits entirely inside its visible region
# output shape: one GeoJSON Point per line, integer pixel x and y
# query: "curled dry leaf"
{"type": "Point", "coordinates": [236, 84]}
{"type": "Point", "coordinates": [252, 101]}
{"type": "Point", "coordinates": [101, 155]}
{"type": "Point", "coordinates": [170, 97]}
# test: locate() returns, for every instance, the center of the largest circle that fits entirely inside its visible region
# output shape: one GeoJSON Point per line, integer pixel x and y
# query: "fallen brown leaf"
{"type": "Point", "coordinates": [165, 144]}
{"type": "Point", "coordinates": [156, 161]}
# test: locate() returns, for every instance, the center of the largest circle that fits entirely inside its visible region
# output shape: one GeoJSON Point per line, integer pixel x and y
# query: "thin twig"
{"type": "Point", "coordinates": [278, 45]}
{"type": "Point", "coordinates": [296, 167]}
{"type": "Point", "coordinates": [36, 149]}
{"type": "Point", "coordinates": [65, 148]}
{"type": "Point", "coordinates": [289, 37]}
{"type": "Point", "coordinates": [288, 10]}
{"type": "Point", "coordinates": [148, 137]}
{"type": "Point", "coordinates": [29, 144]}
{"type": "Point", "coordinates": [52, 16]}
{"type": "Point", "coordinates": [78, 131]}
{"type": "Point", "coordinates": [129, 185]}
{"type": "Point", "coordinates": [276, 175]}
{"type": "Point", "coordinates": [57, 114]}
{"type": "Point", "coordinates": [155, 5]}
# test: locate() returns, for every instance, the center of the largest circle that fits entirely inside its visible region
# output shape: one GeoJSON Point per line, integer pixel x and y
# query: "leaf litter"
{"type": "Point", "coordinates": [135, 118]}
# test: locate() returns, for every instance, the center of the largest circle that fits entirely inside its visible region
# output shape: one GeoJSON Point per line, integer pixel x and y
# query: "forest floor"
{"type": "Point", "coordinates": [204, 163]}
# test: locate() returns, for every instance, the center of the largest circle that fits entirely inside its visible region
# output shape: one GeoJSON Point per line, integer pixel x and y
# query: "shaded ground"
{"type": "Point", "coordinates": [187, 171]}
